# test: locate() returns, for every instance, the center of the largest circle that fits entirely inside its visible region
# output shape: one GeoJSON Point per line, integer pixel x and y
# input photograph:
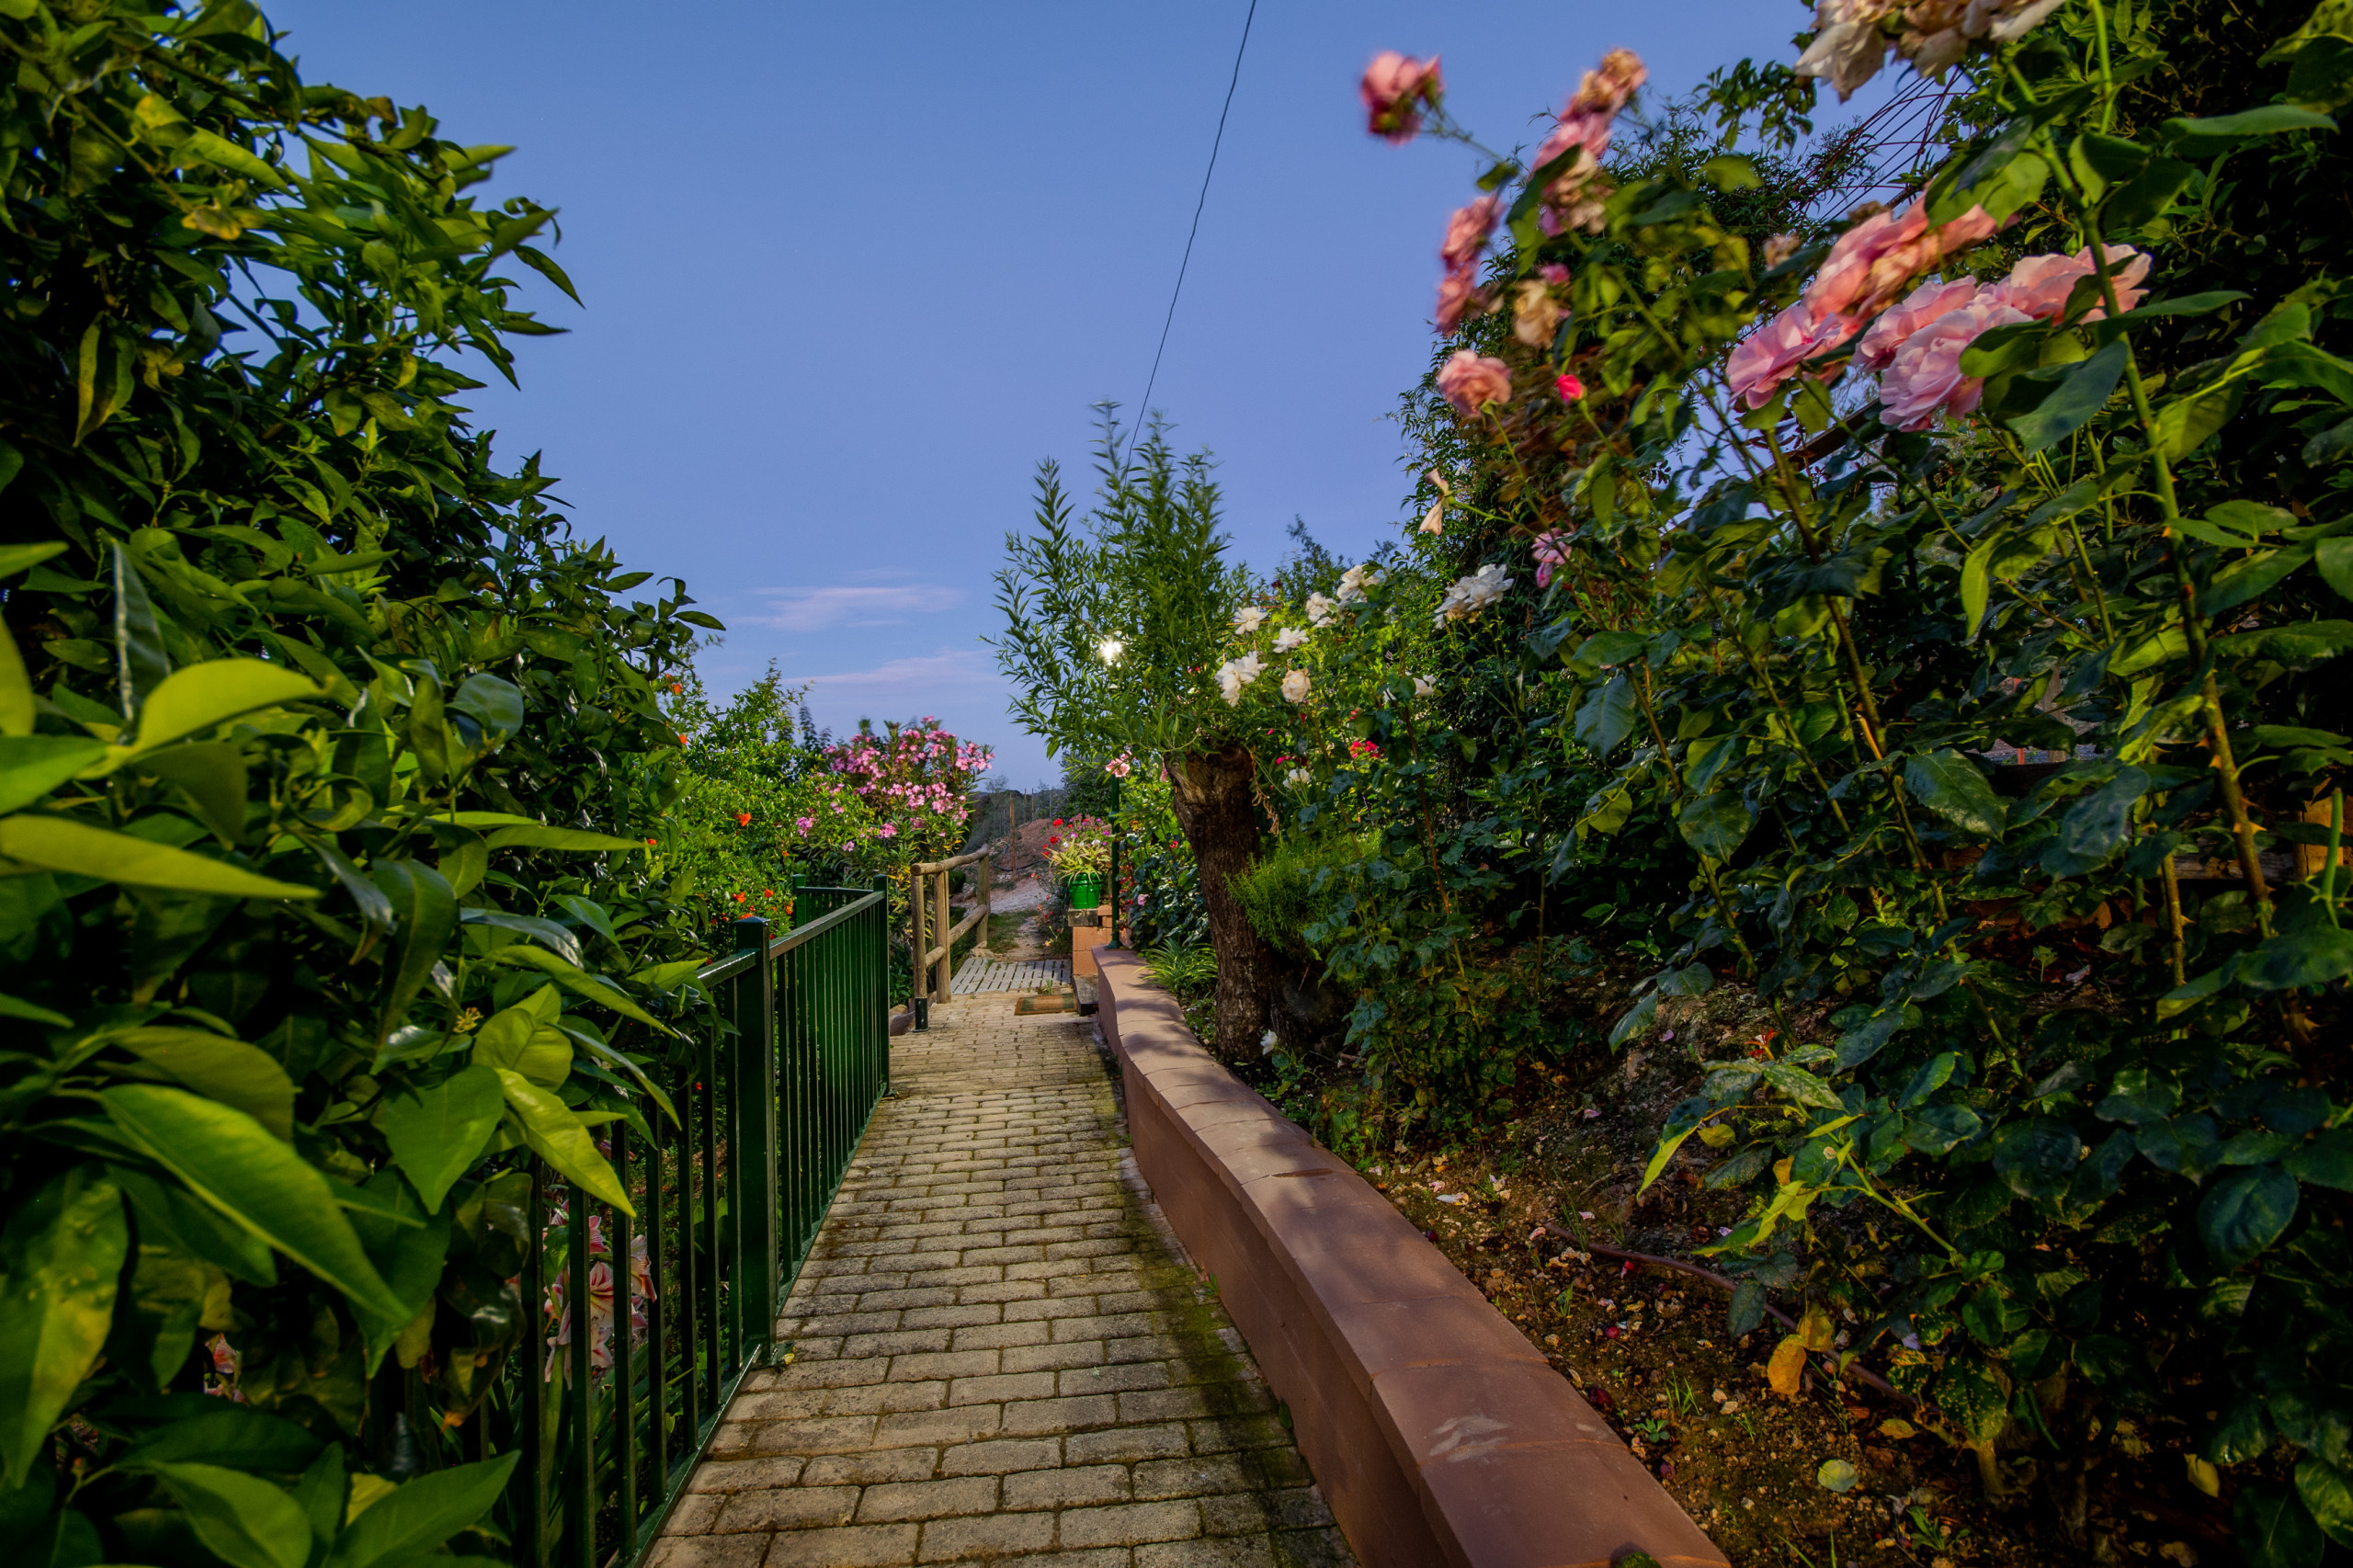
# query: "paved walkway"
{"type": "Point", "coordinates": [999, 1354]}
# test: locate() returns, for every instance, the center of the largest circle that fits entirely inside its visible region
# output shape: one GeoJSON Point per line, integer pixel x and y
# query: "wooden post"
{"type": "Point", "coordinates": [918, 971]}
{"type": "Point", "coordinates": [943, 980]}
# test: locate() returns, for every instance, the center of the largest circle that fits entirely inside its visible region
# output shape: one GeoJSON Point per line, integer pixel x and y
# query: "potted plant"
{"type": "Point", "coordinates": [1080, 852]}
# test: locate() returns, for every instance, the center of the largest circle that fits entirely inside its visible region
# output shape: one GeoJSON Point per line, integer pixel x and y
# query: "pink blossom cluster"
{"type": "Point", "coordinates": [600, 1299]}
{"type": "Point", "coordinates": [1396, 89]}
{"type": "Point", "coordinates": [1552, 550]}
{"type": "Point", "coordinates": [1459, 293]}
{"type": "Point", "coordinates": [1574, 200]}
{"type": "Point", "coordinates": [1916, 339]}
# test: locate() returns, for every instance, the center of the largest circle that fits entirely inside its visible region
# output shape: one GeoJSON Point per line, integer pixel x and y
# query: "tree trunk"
{"type": "Point", "coordinates": [1210, 792]}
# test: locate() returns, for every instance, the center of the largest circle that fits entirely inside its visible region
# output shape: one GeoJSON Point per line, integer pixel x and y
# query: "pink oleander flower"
{"type": "Point", "coordinates": [1394, 89]}
{"type": "Point", "coordinates": [1899, 322]}
{"type": "Point", "coordinates": [2039, 285]}
{"type": "Point", "coordinates": [1771, 355]}
{"type": "Point", "coordinates": [1872, 261]}
{"type": "Point", "coordinates": [804, 823]}
{"type": "Point", "coordinates": [1118, 768]}
{"type": "Point", "coordinates": [887, 830]}
{"type": "Point", "coordinates": [1469, 381]}
{"type": "Point", "coordinates": [1924, 379]}
{"type": "Point", "coordinates": [1569, 387]}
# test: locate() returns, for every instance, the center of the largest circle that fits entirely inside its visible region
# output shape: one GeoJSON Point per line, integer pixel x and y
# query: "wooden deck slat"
{"type": "Point", "coordinates": [982, 972]}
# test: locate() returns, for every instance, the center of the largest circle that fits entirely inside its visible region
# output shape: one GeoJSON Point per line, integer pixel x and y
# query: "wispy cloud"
{"type": "Point", "coordinates": [817, 610]}
{"type": "Point", "coordinates": [960, 672]}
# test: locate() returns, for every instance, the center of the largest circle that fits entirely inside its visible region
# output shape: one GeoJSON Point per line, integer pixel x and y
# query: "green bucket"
{"type": "Point", "coordinates": [1084, 890]}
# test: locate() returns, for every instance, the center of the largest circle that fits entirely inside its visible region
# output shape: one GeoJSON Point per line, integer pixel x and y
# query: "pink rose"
{"type": "Point", "coordinates": [1469, 379]}
{"type": "Point", "coordinates": [1467, 232]}
{"type": "Point", "coordinates": [2039, 285]}
{"type": "Point", "coordinates": [1394, 89]}
{"type": "Point", "coordinates": [1897, 322]}
{"type": "Point", "coordinates": [1569, 387]}
{"type": "Point", "coordinates": [1924, 380]}
{"type": "Point", "coordinates": [1872, 261]}
{"type": "Point", "coordinates": [1459, 295]}
{"type": "Point", "coordinates": [1772, 354]}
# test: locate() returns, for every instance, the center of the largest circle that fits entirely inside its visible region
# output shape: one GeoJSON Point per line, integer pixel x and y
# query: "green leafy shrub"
{"type": "Point", "coordinates": [327, 757]}
{"type": "Point", "coordinates": [1293, 888]}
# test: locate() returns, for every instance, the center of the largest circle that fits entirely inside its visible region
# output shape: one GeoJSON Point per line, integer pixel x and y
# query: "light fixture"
{"type": "Point", "coordinates": [1109, 648]}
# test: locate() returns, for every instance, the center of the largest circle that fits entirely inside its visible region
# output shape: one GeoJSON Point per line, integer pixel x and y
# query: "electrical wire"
{"type": "Point", "coordinates": [1143, 410]}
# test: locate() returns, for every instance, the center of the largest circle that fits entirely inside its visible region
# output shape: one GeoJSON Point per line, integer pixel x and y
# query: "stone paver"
{"type": "Point", "coordinates": [999, 1353]}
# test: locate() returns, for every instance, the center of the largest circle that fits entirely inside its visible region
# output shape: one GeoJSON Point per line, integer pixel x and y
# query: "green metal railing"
{"type": "Point", "coordinates": [654, 1323]}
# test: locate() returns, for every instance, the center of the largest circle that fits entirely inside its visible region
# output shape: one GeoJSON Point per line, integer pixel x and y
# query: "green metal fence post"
{"type": "Point", "coordinates": [876, 1005]}
{"type": "Point", "coordinates": [752, 1161]}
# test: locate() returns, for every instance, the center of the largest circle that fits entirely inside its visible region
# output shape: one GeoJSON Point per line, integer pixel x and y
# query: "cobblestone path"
{"type": "Point", "coordinates": [999, 1353]}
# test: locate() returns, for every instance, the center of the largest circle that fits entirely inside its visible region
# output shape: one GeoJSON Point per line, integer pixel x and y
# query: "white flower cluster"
{"type": "Point", "coordinates": [1424, 686]}
{"type": "Point", "coordinates": [1249, 619]}
{"type": "Point", "coordinates": [1235, 674]}
{"type": "Point", "coordinates": [1355, 581]}
{"type": "Point", "coordinates": [1289, 637]}
{"type": "Point", "coordinates": [1320, 610]}
{"type": "Point", "coordinates": [1473, 594]}
{"type": "Point", "coordinates": [1299, 779]}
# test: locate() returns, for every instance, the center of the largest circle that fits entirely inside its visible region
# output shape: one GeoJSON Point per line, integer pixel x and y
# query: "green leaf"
{"type": "Point", "coordinates": [2185, 422]}
{"type": "Point", "coordinates": [1747, 1309]}
{"type": "Point", "coordinates": [2245, 1212]}
{"type": "Point", "coordinates": [495, 704]}
{"type": "Point", "coordinates": [171, 1213]}
{"type": "Point", "coordinates": [1605, 649]}
{"type": "Point", "coordinates": [1715, 825]}
{"type": "Point", "coordinates": [1608, 716]}
{"type": "Point", "coordinates": [1951, 785]}
{"type": "Point", "coordinates": [220, 152]}
{"type": "Point", "coordinates": [2037, 1158]}
{"type": "Point", "coordinates": [2327, 1161]}
{"type": "Point", "coordinates": [517, 1037]}
{"type": "Point", "coordinates": [2250, 578]}
{"type": "Point", "coordinates": [573, 979]}
{"type": "Point", "coordinates": [1800, 1085]}
{"type": "Point", "coordinates": [60, 843]}
{"type": "Point", "coordinates": [1977, 584]}
{"type": "Point", "coordinates": [2328, 1496]}
{"type": "Point", "coordinates": [17, 1007]}
{"type": "Point", "coordinates": [2335, 559]}
{"type": "Point", "coordinates": [439, 1131]}
{"type": "Point", "coordinates": [2204, 138]}
{"type": "Point", "coordinates": [1836, 1475]}
{"type": "Point", "coordinates": [236, 1435]}
{"type": "Point", "coordinates": [16, 558]}
{"type": "Point", "coordinates": [424, 915]}
{"type": "Point", "coordinates": [213, 775]}
{"type": "Point", "coordinates": [60, 1257]}
{"type": "Point", "coordinates": [18, 707]}
{"type": "Point", "coordinates": [2306, 642]}
{"type": "Point", "coordinates": [2145, 196]}
{"type": "Point", "coordinates": [568, 838]}
{"type": "Point", "coordinates": [243, 1520]}
{"type": "Point", "coordinates": [2082, 393]}
{"type": "Point", "coordinates": [31, 765]}
{"type": "Point", "coordinates": [232, 1163]}
{"type": "Point", "coordinates": [557, 1137]}
{"type": "Point", "coordinates": [141, 665]}
{"type": "Point", "coordinates": [2274, 1530]}
{"type": "Point", "coordinates": [2314, 956]}
{"type": "Point", "coordinates": [214, 692]}
{"type": "Point", "coordinates": [219, 1068]}
{"type": "Point", "coordinates": [422, 1514]}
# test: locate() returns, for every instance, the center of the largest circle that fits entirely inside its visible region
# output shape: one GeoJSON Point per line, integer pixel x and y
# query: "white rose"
{"type": "Point", "coordinates": [1289, 637]}
{"type": "Point", "coordinates": [1320, 610]}
{"type": "Point", "coordinates": [1249, 617]}
{"type": "Point", "coordinates": [1235, 674]}
{"type": "Point", "coordinates": [1295, 687]}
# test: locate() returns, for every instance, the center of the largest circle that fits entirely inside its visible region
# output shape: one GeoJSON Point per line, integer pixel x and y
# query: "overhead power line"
{"type": "Point", "coordinates": [1143, 410]}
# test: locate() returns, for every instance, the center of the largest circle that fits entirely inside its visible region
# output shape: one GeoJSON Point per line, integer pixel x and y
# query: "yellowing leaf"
{"type": "Point", "coordinates": [1781, 1170]}
{"type": "Point", "coordinates": [1816, 1329]}
{"type": "Point", "coordinates": [2203, 1475]}
{"type": "Point", "coordinates": [1787, 1363]}
{"type": "Point", "coordinates": [1897, 1428]}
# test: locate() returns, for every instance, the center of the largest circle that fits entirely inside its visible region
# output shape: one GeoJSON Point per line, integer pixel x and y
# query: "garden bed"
{"type": "Point", "coordinates": [1536, 1212]}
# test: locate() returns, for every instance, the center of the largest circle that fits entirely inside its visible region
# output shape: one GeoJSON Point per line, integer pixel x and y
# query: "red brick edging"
{"type": "Point", "coordinates": [1437, 1432]}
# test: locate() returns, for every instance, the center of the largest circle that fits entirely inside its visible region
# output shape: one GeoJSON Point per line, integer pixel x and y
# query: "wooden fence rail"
{"type": "Point", "coordinates": [934, 976]}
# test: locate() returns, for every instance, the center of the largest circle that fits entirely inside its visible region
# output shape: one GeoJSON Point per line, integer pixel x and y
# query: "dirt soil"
{"type": "Point", "coordinates": [1650, 1346]}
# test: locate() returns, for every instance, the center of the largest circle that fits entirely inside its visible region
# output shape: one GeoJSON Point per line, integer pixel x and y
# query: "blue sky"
{"type": "Point", "coordinates": [850, 271]}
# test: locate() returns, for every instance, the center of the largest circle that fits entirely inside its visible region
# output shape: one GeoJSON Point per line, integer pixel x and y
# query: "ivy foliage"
{"type": "Point", "coordinates": [326, 758]}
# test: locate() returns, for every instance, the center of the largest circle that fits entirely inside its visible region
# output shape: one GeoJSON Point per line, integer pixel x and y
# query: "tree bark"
{"type": "Point", "coordinates": [1210, 792]}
